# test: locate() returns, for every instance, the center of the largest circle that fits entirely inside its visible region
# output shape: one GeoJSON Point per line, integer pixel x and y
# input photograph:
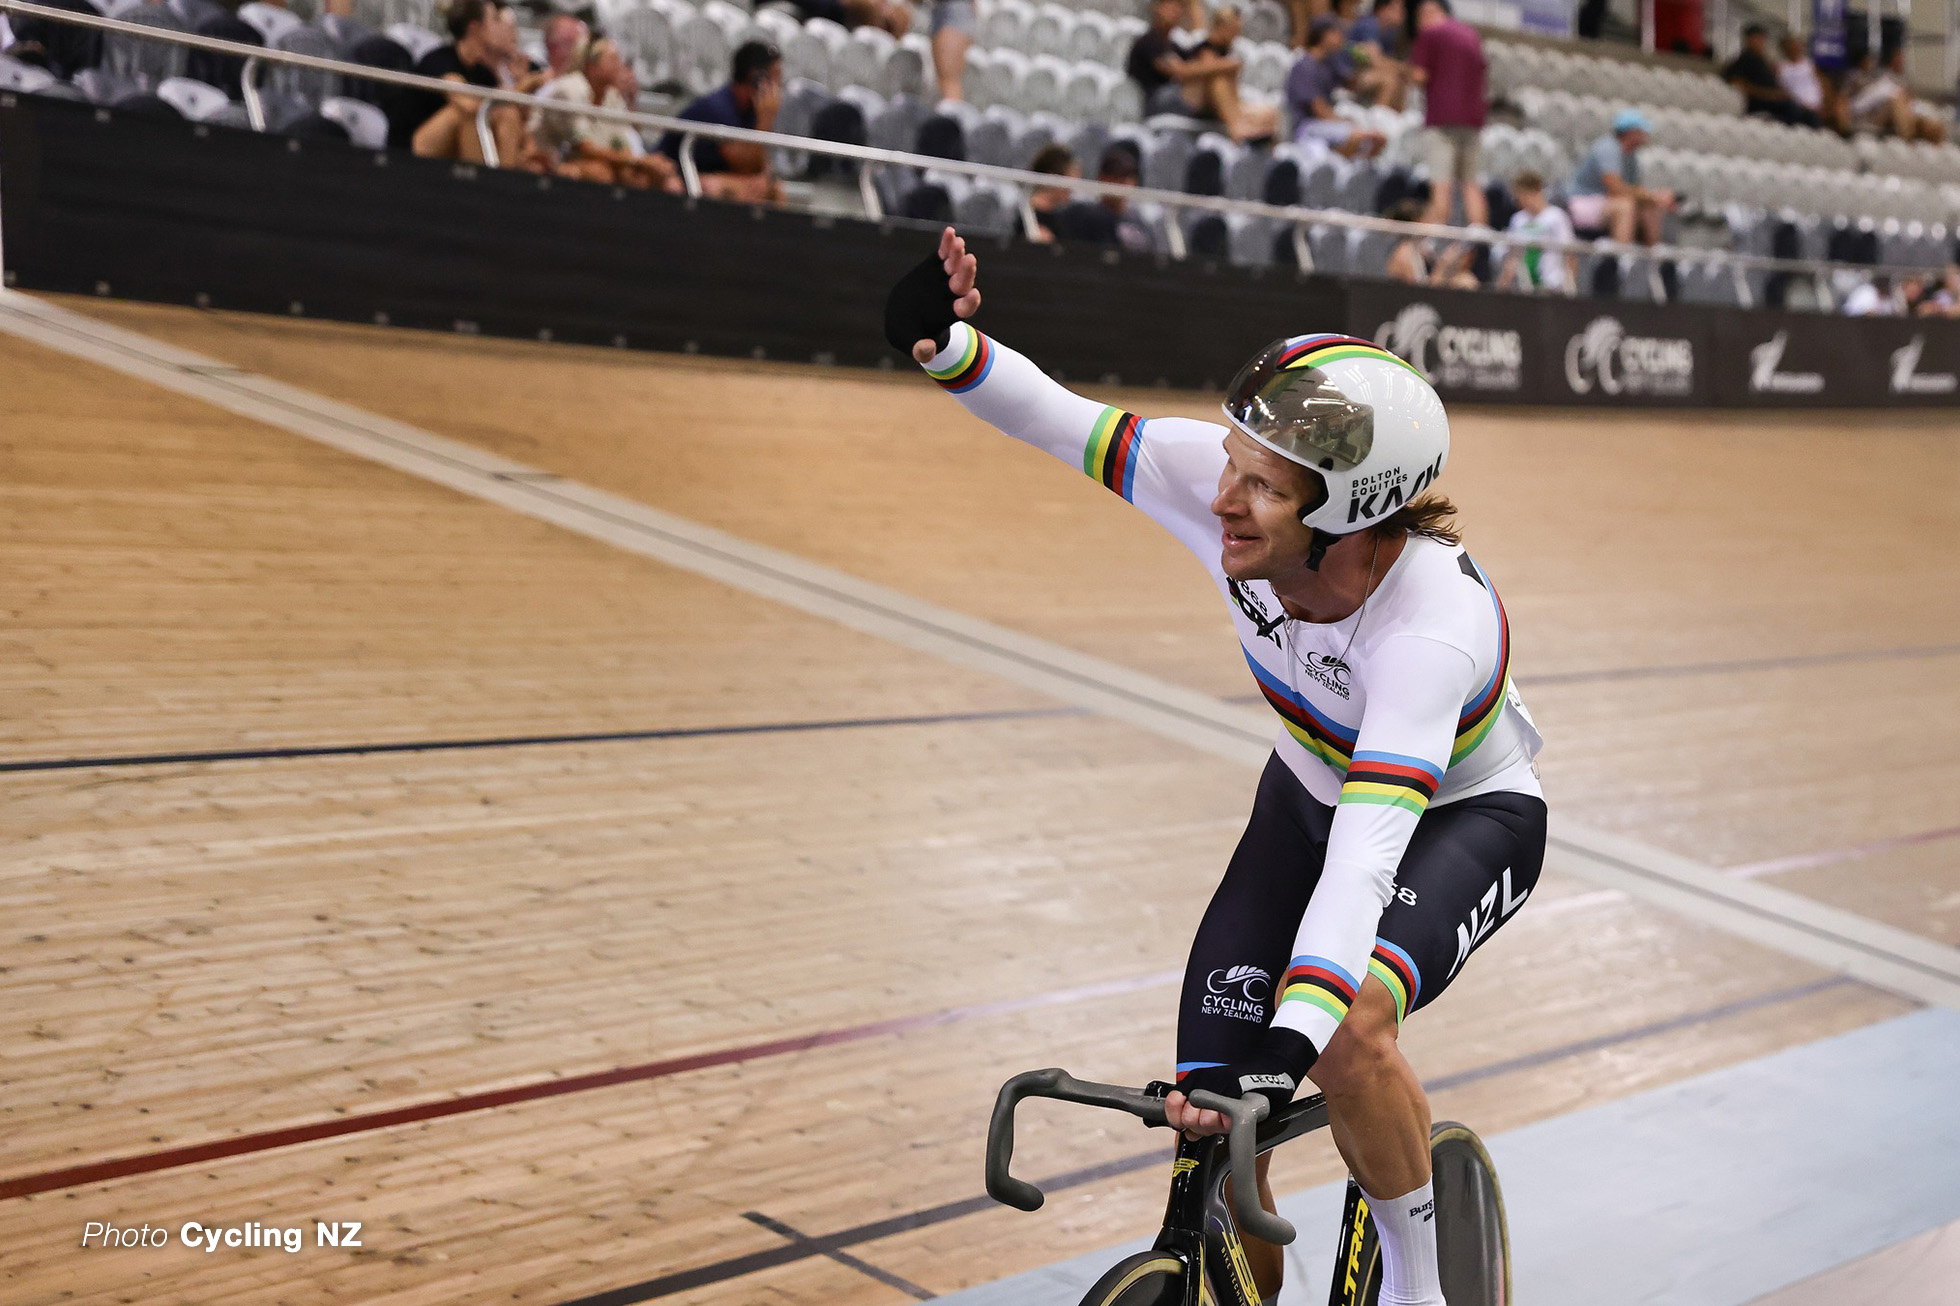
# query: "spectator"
{"type": "Point", "coordinates": [1528, 266]}
{"type": "Point", "coordinates": [1798, 76]}
{"type": "Point", "coordinates": [1878, 101]}
{"type": "Point", "coordinates": [1873, 298]}
{"type": "Point", "coordinates": [1605, 190]}
{"type": "Point", "coordinates": [565, 39]}
{"type": "Point", "coordinates": [1107, 220]}
{"type": "Point", "coordinates": [1204, 83]}
{"type": "Point", "coordinates": [1048, 202]}
{"type": "Point", "coordinates": [1943, 300]}
{"type": "Point", "coordinates": [1301, 14]}
{"type": "Point", "coordinates": [1751, 73]}
{"type": "Point", "coordinates": [1373, 42]}
{"type": "Point", "coordinates": [1418, 261]}
{"type": "Point", "coordinates": [61, 48]}
{"type": "Point", "coordinates": [1448, 62]}
{"type": "Point", "coordinates": [1310, 97]}
{"type": "Point", "coordinates": [952, 26]}
{"type": "Point", "coordinates": [594, 149]}
{"type": "Point", "coordinates": [894, 16]}
{"type": "Point", "coordinates": [737, 170]}
{"type": "Point", "coordinates": [481, 53]}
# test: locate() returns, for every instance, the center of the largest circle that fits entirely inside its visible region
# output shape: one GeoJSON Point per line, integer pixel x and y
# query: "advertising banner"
{"type": "Point", "coordinates": [1611, 353]}
{"type": "Point", "coordinates": [1827, 35]}
{"type": "Point", "coordinates": [1469, 345]}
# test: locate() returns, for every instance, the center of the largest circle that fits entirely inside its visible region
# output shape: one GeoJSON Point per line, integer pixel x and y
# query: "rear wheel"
{"type": "Point", "coordinates": [1146, 1279]}
{"type": "Point", "coordinates": [1473, 1241]}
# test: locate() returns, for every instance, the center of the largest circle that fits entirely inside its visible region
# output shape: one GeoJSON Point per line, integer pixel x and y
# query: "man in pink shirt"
{"type": "Point", "coordinates": [1448, 63]}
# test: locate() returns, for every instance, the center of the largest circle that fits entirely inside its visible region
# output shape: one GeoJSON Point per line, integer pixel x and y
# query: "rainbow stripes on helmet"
{"type": "Point", "coordinates": [1319, 350]}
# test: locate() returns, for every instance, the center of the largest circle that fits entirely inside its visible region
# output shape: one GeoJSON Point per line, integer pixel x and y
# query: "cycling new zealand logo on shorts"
{"type": "Point", "coordinates": [1239, 992]}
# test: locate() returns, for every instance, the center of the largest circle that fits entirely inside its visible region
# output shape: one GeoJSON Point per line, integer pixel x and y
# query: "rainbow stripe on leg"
{"type": "Point", "coordinates": [1319, 981]}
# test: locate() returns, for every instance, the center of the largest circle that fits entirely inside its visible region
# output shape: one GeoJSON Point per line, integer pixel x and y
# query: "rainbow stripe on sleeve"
{"type": "Point", "coordinates": [1320, 982]}
{"type": "Point", "coordinates": [1392, 779]}
{"type": "Point", "coordinates": [1317, 350]}
{"type": "Point", "coordinates": [970, 369]}
{"type": "Point", "coordinates": [1398, 972]}
{"type": "Point", "coordinates": [1324, 737]}
{"type": "Point", "coordinates": [1115, 443]}
{"type": "Point", "coordinates": [1481, 713]}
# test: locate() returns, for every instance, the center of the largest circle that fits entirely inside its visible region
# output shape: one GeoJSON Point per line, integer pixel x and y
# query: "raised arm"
{"type": "Point", "coordinates": [1168, 467]}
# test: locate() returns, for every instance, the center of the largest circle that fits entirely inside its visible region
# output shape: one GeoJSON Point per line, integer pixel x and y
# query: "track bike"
{"type": "Point", "coordinates": [1198, 1259]}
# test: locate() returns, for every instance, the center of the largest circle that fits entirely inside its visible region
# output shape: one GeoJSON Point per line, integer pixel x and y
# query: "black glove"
{"type": "Point", "coordinates": [1275, 1071]}
{"type": "Point", "coordinates": [920, 307]}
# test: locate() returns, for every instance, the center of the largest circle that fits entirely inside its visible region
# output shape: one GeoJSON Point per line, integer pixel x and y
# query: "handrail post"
{"type": "Point", "coordinates": [868, 193]}
{"type": "Point", "coordinates": [690, 174]}
{"type": "Point", "coordinates": [1174, 236]}
{"type": "Point", "coordinates": [486, 139]}
{"type": "Point", "coordinates": [248, 86]}
{"type": "Point", "coordinates": [1302, 249]}
{"type": "Point", "coordinates": [1030, 224]}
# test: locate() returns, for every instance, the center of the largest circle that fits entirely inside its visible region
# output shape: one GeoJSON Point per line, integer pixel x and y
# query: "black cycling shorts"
{"type": "Point", "coordinates": [1468, 867]}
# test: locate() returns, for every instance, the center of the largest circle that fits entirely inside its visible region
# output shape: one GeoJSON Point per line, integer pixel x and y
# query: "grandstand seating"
{"type": "Point", "coordinates": [1045, 72]}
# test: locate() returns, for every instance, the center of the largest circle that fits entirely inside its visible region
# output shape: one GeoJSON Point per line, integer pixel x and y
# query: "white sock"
{"type": "Point", "coordinates": [1406, 1226]}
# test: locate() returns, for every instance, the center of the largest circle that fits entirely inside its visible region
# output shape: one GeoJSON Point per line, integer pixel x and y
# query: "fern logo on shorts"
{"type": "Point", "coordinates": [1239, 992]}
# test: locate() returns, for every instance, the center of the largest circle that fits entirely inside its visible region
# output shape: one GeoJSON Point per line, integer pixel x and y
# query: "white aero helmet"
{"type": "Point", "coordinates": [1360, 418]}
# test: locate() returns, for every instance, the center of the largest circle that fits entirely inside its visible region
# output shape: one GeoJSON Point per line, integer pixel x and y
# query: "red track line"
{"type": "Point", "coordinates": [1777, 865]}
{"type": "Point", "coordinates": [245, 1144]}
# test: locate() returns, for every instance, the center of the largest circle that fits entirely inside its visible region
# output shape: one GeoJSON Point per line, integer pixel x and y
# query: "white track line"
{"type": "Point", "coordinates": [1889, 958]}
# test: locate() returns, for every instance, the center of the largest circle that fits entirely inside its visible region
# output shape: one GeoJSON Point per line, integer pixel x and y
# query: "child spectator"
{"type": "Point", "coordinates": [1047, 202]}
{"type": "Point", "coordinates": [737, 170]}
{"type": "Point", "coordinates": [1448, 63]}
{"type": "Point", "coordinates": [1527, 266]}
{"type": "Point", "coordinates": [1373, 39]}
{"type": "Point", "coordinates": [1310, 96]}
{"type": "Point", "coordinates": [1418, 260]}
{"type": "Point", "coordinates": [1107, 220]}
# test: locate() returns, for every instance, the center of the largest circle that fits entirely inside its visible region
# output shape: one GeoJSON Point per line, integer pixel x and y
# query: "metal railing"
{"type": "Point", "coordinates": [1296, 218]}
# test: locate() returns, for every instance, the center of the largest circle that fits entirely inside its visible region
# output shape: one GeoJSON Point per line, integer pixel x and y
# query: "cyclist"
{"type": "Point", "coordinates": [1399, 821]}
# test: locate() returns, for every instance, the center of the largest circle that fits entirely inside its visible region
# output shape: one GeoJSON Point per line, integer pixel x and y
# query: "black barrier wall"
{"type": "Point", "coordinates": [95, 202]}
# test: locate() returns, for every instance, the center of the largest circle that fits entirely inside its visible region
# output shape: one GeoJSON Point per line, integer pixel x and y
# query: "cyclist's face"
{"type": "Point", "coordinates": [1260, 495]}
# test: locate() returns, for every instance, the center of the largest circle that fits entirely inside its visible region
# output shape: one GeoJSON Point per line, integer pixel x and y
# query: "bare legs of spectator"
{"type": "Point", "coordinates": [1476, 209]}
{"type": "Point", "coordinates": [1383, 83]}
{"type": "Point", "coordinates": [1218, 95]}
{"type": "Point", "coordinates": [1362, 144]}
{"type": "Point", "coordinates": [742, 188]}
{"type": "Point", "coordinates": [949, 47]}
{"type": "Point", "coordinates": [1303, 12]}
{"type": "Point", "coordinates": [1652, 222]}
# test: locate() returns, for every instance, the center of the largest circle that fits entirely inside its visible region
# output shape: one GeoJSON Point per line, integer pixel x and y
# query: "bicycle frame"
{"type": "Point", "coordinates": [1199, 1226]}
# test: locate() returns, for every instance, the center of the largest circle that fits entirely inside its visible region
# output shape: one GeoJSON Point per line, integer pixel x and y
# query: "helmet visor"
{"type": "Point", "coordinates": [1300, 413]}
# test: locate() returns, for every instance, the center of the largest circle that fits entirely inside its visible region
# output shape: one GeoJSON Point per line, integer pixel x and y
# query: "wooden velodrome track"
{"type": "Point", "coordinates": [828, 891]}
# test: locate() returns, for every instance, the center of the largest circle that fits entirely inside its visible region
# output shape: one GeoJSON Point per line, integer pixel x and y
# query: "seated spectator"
{"type": "Point", "coordinates": [1047, 202]}
{"type": "Point", "coordinates": [737, 170]}
{"type": "Point", "coordinates": [1300, 15]}
{"type": "Point", "coordinates": [1878, 101]}
{"type": "Point", "coordinates": [894, 16]}
{"type": "Point", "coordinates": [565, 39]}
{"type": "Point", "coordinates": [1605, 190]}
{"type": "Point", "coordinates": [1420, 261]}
{"type": "Point", "coordinates": [595, 149]}
{"type": "Point", "coordinates": [61, 48]}
{"type": "Point", "coordinates": [1310, 96]}
{"type": "Point", "coordinates": [1762, 92]}
{"type": "Point", "coordinates": [1529, 267]}
{"type": "Point", "coordinates": [1373, 40]}
{"type": "Point", "coordinates": [1797, 75]}
{"type": "Point", "coordinates": [482, 53]}
{"type": "Point", "coordinates": [1874, 298]}
{"type": "Point", "coordinates": [1943, 299]}
{"type": "Point", "coordinates": [1447, 61]}
{"type": "Point", "coordinates": [1107, 220]}
{"type": "Point", "coordinates": [952, 25]}
{"type": "Point", "coordinates": [1202, 84]}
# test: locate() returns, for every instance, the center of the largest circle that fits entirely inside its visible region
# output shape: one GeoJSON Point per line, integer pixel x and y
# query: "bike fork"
{"type": "Point", "coordinates": [1198, 1232]}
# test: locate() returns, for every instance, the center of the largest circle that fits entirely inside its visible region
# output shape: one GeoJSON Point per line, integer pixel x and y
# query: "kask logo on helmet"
{"type": "Point", "coordinates": [1605, 356]}
{"type": "Point", "coordinates": [1382, 493]}
{"type": "Point", "coordinates": [1464, 358]}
